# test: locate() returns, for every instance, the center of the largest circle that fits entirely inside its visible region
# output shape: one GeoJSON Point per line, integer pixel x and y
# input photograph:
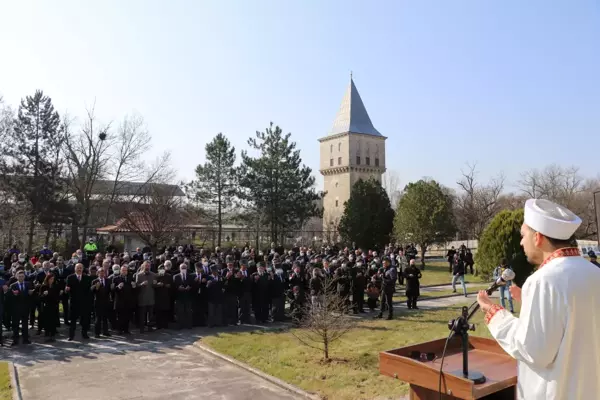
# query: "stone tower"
{"type": "Point", "coordinates": [352, 150]}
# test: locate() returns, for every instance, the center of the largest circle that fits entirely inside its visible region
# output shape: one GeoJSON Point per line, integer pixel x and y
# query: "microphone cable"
{"type": "Point", "coordinates": [450, 336]}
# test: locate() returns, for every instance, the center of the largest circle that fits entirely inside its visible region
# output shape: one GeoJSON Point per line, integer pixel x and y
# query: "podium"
{"type": "Point", "coordinates": [484, 355]}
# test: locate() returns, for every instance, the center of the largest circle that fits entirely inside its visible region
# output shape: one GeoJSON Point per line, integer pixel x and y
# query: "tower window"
{"type": "Point", "coordinates": [368, 160]}
{"type": "Point", "coordinates": [331, 162]}
{"type": "Point", "coordinates": [336, 203]}
{"type": "Point", "coordinates": [377, 162]}
{"type": "Point", "coordinates": [357, 160]}
{"type": "Point", "coordinates": [339, 160]}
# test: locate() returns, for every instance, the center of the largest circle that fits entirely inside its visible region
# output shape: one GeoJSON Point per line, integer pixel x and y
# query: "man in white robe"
{"type": "Point", "coordinates": [556, 338]}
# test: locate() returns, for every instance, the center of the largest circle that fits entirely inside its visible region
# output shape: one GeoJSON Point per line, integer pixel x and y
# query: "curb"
{"type": "Point", "coordinates": [267, 377]}
{"type": "Point", "coordinates": [14, 381]}
{"type": "Point", "coordinates": [447, 284]}
{"type": "Point", "coordinates": [436, 298]}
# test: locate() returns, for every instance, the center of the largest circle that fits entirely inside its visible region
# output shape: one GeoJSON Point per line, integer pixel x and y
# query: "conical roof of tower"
{"type": "Point", "coordinates": [352, 116]}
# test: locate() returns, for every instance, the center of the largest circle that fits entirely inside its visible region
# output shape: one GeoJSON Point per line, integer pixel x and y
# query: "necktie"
{"type": "Point", "coordinates": [183, 278]}
{"type": "Point", "coordinates": [79, 278]}
{"type": "Point", "coordinates": [21, 287]}
{"type": "Point", "coordinates": [245, 276]}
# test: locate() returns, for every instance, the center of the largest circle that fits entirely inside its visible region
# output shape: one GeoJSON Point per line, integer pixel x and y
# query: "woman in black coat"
{"type": "Point", "coordinates": [49, 295]}
{"type": "Point", "coordinates": [412, 275]}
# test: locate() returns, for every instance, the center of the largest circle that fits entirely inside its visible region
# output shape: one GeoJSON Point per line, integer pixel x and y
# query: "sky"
{"type": "Point", "coordinates": [508, 85]}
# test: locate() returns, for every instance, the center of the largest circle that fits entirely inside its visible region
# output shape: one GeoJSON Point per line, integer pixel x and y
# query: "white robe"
{"type": "Point", "coordinates": [556, 338]}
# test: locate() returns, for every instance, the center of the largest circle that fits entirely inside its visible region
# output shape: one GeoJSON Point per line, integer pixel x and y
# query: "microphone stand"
{"type": "Point", "coordinates": [461, 326]}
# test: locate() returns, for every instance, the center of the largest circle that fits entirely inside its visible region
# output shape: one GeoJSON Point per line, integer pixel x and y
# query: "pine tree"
{"type": "Point", "coordinates": [368, 217]}
{"type": "Point", "coordinates": [215, 187]}
{"type": "Point", "coordinates": [502, 239]}
{"type": "Point", "coordinates": [29, 166]}
{"type": "Point", "coordinates": [277, 183]}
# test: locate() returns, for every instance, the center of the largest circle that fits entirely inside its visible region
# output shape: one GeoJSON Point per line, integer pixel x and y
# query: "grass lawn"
{"type": "Point", "coordinates": [354, 371]}
{"type": "Point", "coordinates": [436, 273]}
{"type": "Point", "coordinates": [5, 388]}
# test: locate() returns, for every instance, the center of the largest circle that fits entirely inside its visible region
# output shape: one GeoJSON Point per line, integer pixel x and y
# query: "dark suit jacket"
{"type": "Point", "coordinates": [200, 292]}
{"type": "Point", "coordinates": [124, 297]}
{"type": "Point", "coordinates": [22, 300]}
{"type": "Point", "coordinates": [80, 294]}
{"type": "Point", "coordinates": [102, 298]}
{"type": "Point", "coordinates": [183, 295]}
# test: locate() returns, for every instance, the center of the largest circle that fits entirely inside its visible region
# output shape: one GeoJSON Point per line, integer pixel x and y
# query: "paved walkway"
{"type": "Point", "coordinates": [161, 365]}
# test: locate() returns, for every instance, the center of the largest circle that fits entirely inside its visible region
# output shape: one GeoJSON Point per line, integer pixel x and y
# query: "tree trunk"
{"type": "Point", "coordinates": [326, 349]}
{"type": "Point", "coordinates": [48, 231]}
{"type": "Point", "coordinates": [55, 240]}
{"type": "Point", "coordinates": [423, 250]}
{"type": "Point", "coordinates": [74, 243]}
{"type": "Point", "coordinates": [219, 219]}
{"type": "Point", "coordinates": [30, 233]}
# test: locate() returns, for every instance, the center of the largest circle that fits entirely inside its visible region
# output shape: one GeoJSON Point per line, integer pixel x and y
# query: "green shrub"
{"type": "Point", "coordinates": [502, 239]}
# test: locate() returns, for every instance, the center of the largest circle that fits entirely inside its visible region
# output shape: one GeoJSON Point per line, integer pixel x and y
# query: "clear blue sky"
{"type": "Point", "coordinates": [511, 85]}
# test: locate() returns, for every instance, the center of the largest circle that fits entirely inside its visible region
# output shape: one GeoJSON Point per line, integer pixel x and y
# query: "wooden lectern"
{"type": "Point", "coordinates": [484, 355]}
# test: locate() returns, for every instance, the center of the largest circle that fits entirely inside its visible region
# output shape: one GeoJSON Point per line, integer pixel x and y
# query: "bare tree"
{"type": "Point", "coordinates": [554, 183]}
{"type": "Point", "coordinates": [157, 217]}
{"type": "Point", "coordinates": [391, 183]}
{"type": "Point", "coordinates": [511, 201]}
{"type": "Point", "coordinates": [323, 321]}
{"type": "Point", "coordinates": [87, 156]}
{"type": "Point", "coordinates": [132, 141]}
{"type": "Point", "coordinates": [331, 224]}
{"type": "Point", "coordinates": [477, 203]}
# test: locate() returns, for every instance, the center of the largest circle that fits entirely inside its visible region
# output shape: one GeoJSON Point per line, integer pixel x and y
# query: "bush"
{"type": "Point", "coordinates": [502, 239]}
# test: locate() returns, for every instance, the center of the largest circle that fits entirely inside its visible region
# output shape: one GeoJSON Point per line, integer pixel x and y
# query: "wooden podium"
{"type": "Point", "coordinates": [485, 356]}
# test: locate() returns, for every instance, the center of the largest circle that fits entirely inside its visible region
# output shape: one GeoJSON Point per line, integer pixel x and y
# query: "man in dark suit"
{"type": "Point", "coordinates": [245, 300]}
{"type": "Point", "coordinates": [102, 303]}
{"type": "Point", "coordinates": [79, 286]}
{"type": "Point", "coordinates": [21, 292]}
{"type": "Point", "coordinates": [183, 283]}
{"type": "Point", "coordinates": [200, 296]}
{"type": "Point", "coordinates": [62, 272]}
{"type": "Point", "coordinates": [123, 289]}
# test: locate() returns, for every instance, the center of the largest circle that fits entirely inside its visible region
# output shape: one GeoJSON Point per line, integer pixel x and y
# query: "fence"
{"type": "Point", "coordinates": [57, 239]}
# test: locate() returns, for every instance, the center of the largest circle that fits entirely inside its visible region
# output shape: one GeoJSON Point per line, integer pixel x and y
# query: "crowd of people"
{"type": "Point", "coordinates": [185, 287]}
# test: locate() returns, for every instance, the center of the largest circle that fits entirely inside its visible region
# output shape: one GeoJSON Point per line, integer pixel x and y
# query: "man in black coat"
{"type": "Point", "coordinates": [62, 272]}
{"type": "Point", "coordinates": [102, 303]}
{"type": "Point", "coordinates": [412, 275]}
{"type": "Point", "coordinates": [216, 298]}
{"type": "Point", "coordinates": [183, 283]}
{"type": "Point", "coordinates": [245, 299]}
{"type": "Point", "coordinates": [231, 290]}
{"type": "Point", "coordinates": [278, 286]}
{"type": "Point", "coordinates": [21, 292]}
{"type": "Point", "coordinates": [122, 286]}
{"type": "Point", "coordinates": [200, 296]}
{"type": "Point", "coordinates": [79, 286]}
{"type": "Point", "coordinates": [389, 277]}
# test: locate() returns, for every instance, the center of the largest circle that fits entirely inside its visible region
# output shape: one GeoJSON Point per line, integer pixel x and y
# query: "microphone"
{"type": "Point", "coordinates": [507, 275]}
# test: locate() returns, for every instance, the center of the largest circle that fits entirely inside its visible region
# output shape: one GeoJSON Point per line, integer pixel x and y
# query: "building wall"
{"type": "Point", "coordinates": [340, 167]}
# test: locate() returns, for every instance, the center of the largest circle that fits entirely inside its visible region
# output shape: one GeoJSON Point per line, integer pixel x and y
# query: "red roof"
{"type": "Point", "coordinates": [135, 223]}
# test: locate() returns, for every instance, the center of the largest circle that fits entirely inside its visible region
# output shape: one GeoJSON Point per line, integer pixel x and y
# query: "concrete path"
{"type": "Point", "coordinates": [161, 365]}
